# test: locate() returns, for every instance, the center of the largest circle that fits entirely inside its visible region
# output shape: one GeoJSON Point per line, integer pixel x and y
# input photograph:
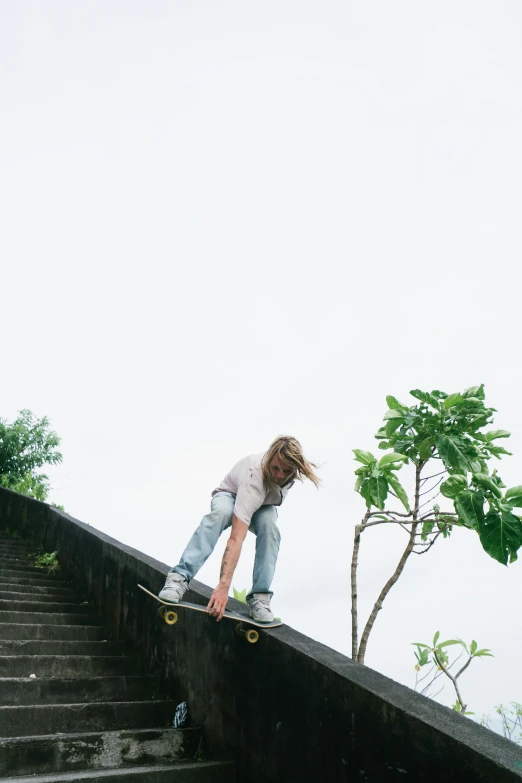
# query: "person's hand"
{"type": "Point", "coordinates": [218, 602]}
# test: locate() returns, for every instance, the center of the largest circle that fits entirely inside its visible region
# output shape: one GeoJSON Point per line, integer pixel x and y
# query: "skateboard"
{"type": "Point", "coordinates": [167, 613]}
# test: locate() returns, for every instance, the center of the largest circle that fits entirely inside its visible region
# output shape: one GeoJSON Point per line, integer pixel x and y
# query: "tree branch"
{"type": "Point", "coordinates": [355, 558]}
{"type": "Point", "coordinates": [454, 679]}
{"type": "Point", "coordinates": [398, 571]}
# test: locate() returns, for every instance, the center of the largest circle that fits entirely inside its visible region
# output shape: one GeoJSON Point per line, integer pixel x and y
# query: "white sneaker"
{"type": "Point", "coordinates": [260, 608]}
{"type": "Point", "coordinates": [174, 588]}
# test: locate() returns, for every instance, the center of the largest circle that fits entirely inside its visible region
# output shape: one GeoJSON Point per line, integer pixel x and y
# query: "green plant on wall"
{"type": "Point", "coordinates": [443, 438]}
{"type": "Point", "coordinates": [47, 561]}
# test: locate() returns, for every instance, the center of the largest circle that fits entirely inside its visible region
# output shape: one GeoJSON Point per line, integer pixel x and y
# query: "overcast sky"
{"type": "Point", "coordinates": [221, 222]}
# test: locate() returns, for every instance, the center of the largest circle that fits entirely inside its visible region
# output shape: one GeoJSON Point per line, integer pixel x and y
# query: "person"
{"type": "Point", "coordinates": [247, 499]}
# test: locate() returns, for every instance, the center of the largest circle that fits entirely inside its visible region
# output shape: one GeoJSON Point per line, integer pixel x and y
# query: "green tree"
{"type": "Point", "coordinates": [511, 721]}
{"type": "Point", "coordinates": [26, 445]}
{"type": "Point", "coordinates": [445, 431]}
{"type": "Point", "coordinates": [440, 664]}
{"type": "Point", "coordinates": [435, 658]}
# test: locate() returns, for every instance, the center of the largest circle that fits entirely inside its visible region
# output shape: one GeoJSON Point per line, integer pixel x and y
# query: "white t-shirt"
{"type": "Point", "coordinates": [245, 481]}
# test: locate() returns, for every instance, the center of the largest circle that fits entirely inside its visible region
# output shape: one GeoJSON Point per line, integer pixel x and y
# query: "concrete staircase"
{"type": "Point", "coordinates": [89, 713]}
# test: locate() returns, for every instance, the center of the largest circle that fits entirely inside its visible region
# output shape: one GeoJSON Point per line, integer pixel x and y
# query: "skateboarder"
{"type": "Point", "coordinates": [245, 500]}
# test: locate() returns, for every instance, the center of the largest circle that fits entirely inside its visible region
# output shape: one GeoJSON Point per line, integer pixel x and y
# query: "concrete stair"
{"type": "Point", "coordinates": [89, 713]}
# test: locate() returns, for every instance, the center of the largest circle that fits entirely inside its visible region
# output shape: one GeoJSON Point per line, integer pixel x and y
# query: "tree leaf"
{"type": "Point", "coordinates": [470, 508]}
{"type": "Point", "coordinates": [364, 491]}
{"type": "Point", "coordinates": [452, 400]}
{"type": "Point", "coordinates": [450, 451]}
{"type": "Point", "coordinates": [436, 638]}
{"type": "Point", "coordinates": [429, 399]}
{"type": "Point", "coordinates": [486, 481]}
{"type": "Point", "coordinates": [495, 434]}
{"type": "Point", "coordinates": [393, 414]}
{"type": "Point", "coordinates": [240, 595]}
{"type": "Point", "coordinates": [364, 456]}
{"type": "Point", "coordinates": [378, 491]}
{"type": "Point", "coordinates": [391, 426]}
{"type": "Point", "coordinates": [514, 496]}
{"type": "Point", "coordinates": [501, 535]}
{"type": "Point", "coordinates": [448, 642]}
{"type": "Point", "coordinates": [475, 391]}
{"type": "Point", "coordinates": [391, 459]}
{"type": "Point", "coordinates": [399, 490]}
{"type": "Point", "coordinates": [394, 404]}
{"type": "Point", "coordinates": [453, 486]}
{"type": "Point", "coordinates": [425, 448]}
{"type": "Point", "coordinates": [497, 450]}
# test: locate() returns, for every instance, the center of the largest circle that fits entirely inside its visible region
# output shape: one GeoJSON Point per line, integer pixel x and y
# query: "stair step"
{"type": "Point", "coordinates": [22, 691]}
{"type": "Point", "coordinates": [23, 568]}
{"type": "Point", "coordinates": [37, 581]}
{"type": "Point", "coordinates": [62, 632]}
{"type": "Point", "coordinates": [43, 606]}
{"type": "Point", "coordinates": [16, 549]}
{"type": "Point", "coordinates": [12, 595]}
{"type": "Point", "coordinates": [66, 666]}
{"type": "Point", "coordinates": [57, 753]}
{"type": "Point", "coordinates": [188, 772]}
{"type": "Point", "coordinates": [30, 589]}
{"type": "Point", "coordinates": [17, 542]}
{"type": "Point", "coordinates": [6, 559]}
{"type": "Point", "coordinates": [34, 576]}
{"type": "Point", "coordinates": [23, 647]}
{"type": "Point", "coordinates": [49, 618]}
{"type": "Point", "coordinates": [101, 716]}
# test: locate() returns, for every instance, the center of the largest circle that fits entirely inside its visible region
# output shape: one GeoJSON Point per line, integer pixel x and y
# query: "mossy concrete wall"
{"type": "Point", "coordinates": [284, 709]}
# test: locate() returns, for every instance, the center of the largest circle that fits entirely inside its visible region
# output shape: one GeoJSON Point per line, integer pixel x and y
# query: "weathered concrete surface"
{"type": "Point", "coordinates": [31, 598]}
{"type": "Point", "coordinates": [18, 691]}
{"type": "Point", "coordinates": [58, 647]}
{"type": "Point", "coordinates": [288, 708]}
{"type": "Point", "coordinates": [66, 666]}
{"type": "Point", "coordinates": [64, 718]}
{"type": "Point", "coordinates": [97, 750]}
{"type": "Point", "coordinates": [38, 630]}
{"type": "Point", "coordinates": [33, 591]}
{"type": "Point", "coordinates": [42, 606]}
{"type": "Point", "coordinates": [199, 772]}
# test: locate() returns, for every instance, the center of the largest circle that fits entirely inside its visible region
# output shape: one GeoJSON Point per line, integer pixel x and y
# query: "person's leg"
{"type": "Point", "coordinates": [204, 540]}
{"type": "Point", "coordinates": [200, 546]}
{"type": "Point", "coordinates": [268, 537]}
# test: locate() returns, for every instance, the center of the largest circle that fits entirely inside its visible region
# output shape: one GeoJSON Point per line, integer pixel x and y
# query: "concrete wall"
{"type": "Point", "coordinates": [285, 709]}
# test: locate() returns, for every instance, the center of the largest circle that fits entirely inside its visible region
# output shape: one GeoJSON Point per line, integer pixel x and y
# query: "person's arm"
{"type": "Point", "coordinates": [219, 598]}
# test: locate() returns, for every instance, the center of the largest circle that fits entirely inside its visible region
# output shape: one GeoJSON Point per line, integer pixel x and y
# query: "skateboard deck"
{"type": "Point", "coordinates": [168, 612]}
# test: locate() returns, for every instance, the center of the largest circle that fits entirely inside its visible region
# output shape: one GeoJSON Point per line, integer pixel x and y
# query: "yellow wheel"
{"type": "Point", "coordinates": [252, 636]}
{"type": "Point", "coordinates": [161, 611]}
{"type": "Point", "coordinates": [171, 618]}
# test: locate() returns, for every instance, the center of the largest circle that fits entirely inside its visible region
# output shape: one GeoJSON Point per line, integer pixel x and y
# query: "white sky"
{"type": "Point", "coordinates": [221, 222]}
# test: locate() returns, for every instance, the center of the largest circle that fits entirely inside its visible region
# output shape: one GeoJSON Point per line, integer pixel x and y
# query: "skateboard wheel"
{"type": "Point", "coordinates": [252, 636]}
{"type": "Point", "coordinates": [171, 618]}
{"type": "Point", "coordinates": [161, 611]}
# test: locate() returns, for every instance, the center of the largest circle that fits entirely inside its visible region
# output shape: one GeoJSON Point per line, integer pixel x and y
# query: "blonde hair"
{"type": "Point", "coordinates": [289, 450]}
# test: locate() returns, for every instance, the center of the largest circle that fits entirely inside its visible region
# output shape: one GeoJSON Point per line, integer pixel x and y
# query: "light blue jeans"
{"type": "Point", "coordinates": [204, 540]}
